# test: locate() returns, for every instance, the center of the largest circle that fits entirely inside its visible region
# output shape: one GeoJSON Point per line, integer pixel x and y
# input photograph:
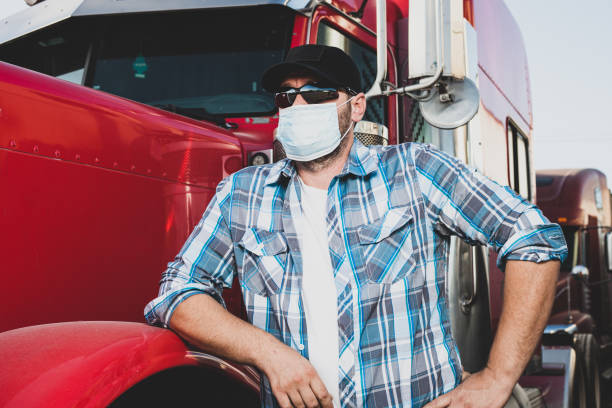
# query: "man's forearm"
{"type": "Point", "coordinates": [529, 291]}
{"type": "Point", "coordinates": [206, 324]}
{"type": "Point", "coordinates": [203, 322]}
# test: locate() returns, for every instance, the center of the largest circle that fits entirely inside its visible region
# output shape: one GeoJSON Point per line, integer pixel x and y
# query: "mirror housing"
{"type": "Point", "coordinates": [425, 37]}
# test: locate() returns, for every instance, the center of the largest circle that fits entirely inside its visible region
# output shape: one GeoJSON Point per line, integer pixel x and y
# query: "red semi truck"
{"type": "Point", "coordinates": [119, 118]}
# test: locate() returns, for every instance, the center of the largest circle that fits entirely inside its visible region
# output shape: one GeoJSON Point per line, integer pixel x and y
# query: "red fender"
{"type": "Point", "coordinates": [89, 364]}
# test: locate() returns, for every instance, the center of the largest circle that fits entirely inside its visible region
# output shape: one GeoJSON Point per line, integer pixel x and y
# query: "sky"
{"type": "Point", "coordinates": [569, 52]}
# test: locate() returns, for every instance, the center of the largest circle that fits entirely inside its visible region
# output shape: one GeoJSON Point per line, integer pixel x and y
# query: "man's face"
{"type": "Point", "coordinates": [344, 111]}
{"type": "Point", "coordinates": [349, 112]}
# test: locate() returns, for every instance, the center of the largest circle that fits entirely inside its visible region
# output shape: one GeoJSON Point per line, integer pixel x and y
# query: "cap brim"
{"type": "Point", "coordinates": [273, 76]}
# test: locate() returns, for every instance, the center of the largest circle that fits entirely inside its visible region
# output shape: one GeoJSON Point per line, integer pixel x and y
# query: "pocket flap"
{"type": "Point", "coordinates": [263, 243]}
{"type": "Point", "coordinates": [380, 229]}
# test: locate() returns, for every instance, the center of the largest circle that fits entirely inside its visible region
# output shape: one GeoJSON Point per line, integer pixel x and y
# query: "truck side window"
{"type": "Point", "coordinates": [519, 161]}
{"type": "Point", "coordinates": [365, 58]}
{"type": "Point", "coordinates": [58, 51]}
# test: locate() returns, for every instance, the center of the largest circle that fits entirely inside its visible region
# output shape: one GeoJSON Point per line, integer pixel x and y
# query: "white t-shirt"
{"type": "Point", "coordinates": [319, 289]}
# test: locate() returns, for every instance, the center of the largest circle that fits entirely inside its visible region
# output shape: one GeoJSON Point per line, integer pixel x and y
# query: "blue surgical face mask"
{"type": "Point", "coordinates": [308, 132]}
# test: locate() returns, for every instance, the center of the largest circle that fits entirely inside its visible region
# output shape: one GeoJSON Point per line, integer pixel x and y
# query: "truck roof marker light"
{"type": "Point", "coordinates": [468, 11]}
{"type": "Point", "coordinates": [562, 219]}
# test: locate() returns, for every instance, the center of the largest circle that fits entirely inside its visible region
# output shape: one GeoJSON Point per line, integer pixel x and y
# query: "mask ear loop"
{"type": "Point", "coordinates": [348, 100]}
{"type": "Point", "coordinates": [352, 123]}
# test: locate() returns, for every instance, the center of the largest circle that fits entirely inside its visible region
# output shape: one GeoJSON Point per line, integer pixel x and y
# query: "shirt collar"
{"type": "Point", "coordinates": [361, 162]}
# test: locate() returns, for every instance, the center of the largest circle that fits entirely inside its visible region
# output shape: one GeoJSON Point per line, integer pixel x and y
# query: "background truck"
{"type": "Point", "coordinates": [579, 200]}
{"type": "Point", "coordinates": [119, 118]}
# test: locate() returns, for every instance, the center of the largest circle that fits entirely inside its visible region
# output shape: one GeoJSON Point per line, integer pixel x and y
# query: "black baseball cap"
{"type": "Point", "coordinates": [330, 64]}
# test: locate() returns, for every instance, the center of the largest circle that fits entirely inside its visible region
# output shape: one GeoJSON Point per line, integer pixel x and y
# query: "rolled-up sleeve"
{"type": "Point", "coordinates": [205, 264]}
{"type": "Point", "coordinates": [462, 201]}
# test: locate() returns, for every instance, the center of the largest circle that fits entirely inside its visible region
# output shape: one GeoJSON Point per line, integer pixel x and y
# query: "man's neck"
{"type": "Point", "coordinates": [321, 177]}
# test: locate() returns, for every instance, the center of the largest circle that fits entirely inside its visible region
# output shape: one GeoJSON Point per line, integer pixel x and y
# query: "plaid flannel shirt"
{"type": "Point", "coordinates": [390, 213]}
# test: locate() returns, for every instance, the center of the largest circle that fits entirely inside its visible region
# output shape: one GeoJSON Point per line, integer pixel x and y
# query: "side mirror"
{"type": "Point", "coordinates": [609, 250]}
{"type": "Point", "coordinates": [580, 272]}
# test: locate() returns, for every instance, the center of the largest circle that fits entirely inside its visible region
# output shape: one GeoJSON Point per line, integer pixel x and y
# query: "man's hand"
{"type": "Point", "coordinates": [482, 389]}
{"type": "Point", "coordinates": [294, 381]}
{"type": "Point", "coordinates": [206, 324]}
{"type": "Point", "coordinates": [529, 292]}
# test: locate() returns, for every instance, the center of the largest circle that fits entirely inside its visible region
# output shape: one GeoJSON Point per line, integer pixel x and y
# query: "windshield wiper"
{"type": "Point", "coordinates": [196, 113]}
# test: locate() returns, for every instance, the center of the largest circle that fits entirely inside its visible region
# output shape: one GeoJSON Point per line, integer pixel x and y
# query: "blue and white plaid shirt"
{"type": "Point", "coordinates": [390, 213]}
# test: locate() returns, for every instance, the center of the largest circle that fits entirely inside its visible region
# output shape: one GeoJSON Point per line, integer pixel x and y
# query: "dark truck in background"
{"type": "Point", "coordinates": [579, 200]}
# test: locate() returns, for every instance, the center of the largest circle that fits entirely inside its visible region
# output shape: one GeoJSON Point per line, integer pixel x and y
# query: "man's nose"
{"type": "Point", "coordinates": [299, 100]}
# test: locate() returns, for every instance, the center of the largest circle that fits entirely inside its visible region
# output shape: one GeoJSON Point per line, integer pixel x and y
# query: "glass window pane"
{"type": "Point", "coordinates": [211, 61]}
{"type": "Point", "coordinates": [59, 51]}
{"type": "Point", "coordinates": [523, 167]}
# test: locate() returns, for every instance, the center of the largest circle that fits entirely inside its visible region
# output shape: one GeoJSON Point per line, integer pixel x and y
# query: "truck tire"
{"type": "Point", "coordinates": [587, 351]}
{"type": "Point", "coordinates": [525, 397]}
{"type": "Point", "coordinates": [578, 394]}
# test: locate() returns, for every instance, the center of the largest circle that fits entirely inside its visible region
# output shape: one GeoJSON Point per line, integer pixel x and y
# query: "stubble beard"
{"type": "Point", "coordinates": [344, 121]}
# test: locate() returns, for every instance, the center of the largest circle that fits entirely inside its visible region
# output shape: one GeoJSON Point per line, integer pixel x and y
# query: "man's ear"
{"type": "Point", "coordinates": [358, 107]}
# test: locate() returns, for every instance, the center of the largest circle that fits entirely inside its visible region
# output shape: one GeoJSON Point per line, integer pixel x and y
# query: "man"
{"type": "Point", "coordinates": [341, 252]}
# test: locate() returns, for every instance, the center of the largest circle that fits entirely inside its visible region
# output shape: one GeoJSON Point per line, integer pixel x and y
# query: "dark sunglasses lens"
{"type": "Point", "coordinates": [319, 96]}
{"type": "Point", "coordinates": [284, 100]}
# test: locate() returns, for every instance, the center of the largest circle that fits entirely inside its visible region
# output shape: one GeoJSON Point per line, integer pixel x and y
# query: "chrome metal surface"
{"type": "Point", "coordinates": [371, 133]}
{"type": "Point", "coordinates": [556, 328]}
{"type": "Point", "coordinates": [609, 250]}
{"type": "Point", "coordinates": [209, 359]}
{"type": "Point", "coordinates": [428, 81]}
{"type": "Point", "coordinates": [565, 356]}
{"type": "Point", "coordinates": [580, 272]}
{"type": "Point", "coordinates": [381, 49]}
{"type": "Point", "coordinates": [452, 103]}
{"type": "Point", "coordinates": [470, 321]}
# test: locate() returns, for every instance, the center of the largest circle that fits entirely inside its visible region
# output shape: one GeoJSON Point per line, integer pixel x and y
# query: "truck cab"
{"type": "Point", "coordinates": [118, 120]}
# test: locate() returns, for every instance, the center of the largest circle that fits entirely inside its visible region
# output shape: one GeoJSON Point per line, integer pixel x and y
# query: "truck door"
{"type": "Point", "coordinates": [329, 27]}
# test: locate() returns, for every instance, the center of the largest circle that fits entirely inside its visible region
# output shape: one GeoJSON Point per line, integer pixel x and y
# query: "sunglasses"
{"type": "Point", "coordinates": [311, 94]}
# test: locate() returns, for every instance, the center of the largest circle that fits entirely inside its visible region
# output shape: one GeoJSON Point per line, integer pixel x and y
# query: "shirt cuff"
{"type": "Point", "coordinates": [159, 311]}
{"type": "Point", "coordinates": [539, 243]}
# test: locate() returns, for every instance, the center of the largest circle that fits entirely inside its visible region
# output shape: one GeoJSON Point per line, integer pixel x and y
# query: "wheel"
{"type": "Point", "coordinates": [578, 395]}
{"type": "Point", "coordinates": [525, 397]}
{"type": "Point", "coordinates": [587, 351]}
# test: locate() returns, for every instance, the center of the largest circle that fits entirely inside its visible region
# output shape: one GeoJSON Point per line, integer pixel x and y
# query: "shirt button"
{"type": "Point", "coordinates": [300, 347]}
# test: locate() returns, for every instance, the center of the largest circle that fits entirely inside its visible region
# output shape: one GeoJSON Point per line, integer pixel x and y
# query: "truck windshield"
{"type": "Point", "coordinates": [199, 63]}
{"type": "Point", "coordinates": [210, 61]}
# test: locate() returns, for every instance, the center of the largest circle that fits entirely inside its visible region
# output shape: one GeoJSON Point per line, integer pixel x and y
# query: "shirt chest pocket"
{"type": "Point", "coordinates": [388, 247]}
{"type": "Point", "coordinates": [264, 261]}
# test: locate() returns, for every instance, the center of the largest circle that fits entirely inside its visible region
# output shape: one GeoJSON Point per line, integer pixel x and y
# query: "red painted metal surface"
{"type": "Point", "coordinates": [570, 197]}
{"type": "Point", "coordinates": [46, 365]}
{"type": "Point", "coordinates": [103, 193]}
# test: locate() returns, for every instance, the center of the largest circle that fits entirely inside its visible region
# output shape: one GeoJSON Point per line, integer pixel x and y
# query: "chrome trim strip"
{"type": "Point", "coordinates": [556, 328]}
{"type": "Point", "coordinates": [211, 360]}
